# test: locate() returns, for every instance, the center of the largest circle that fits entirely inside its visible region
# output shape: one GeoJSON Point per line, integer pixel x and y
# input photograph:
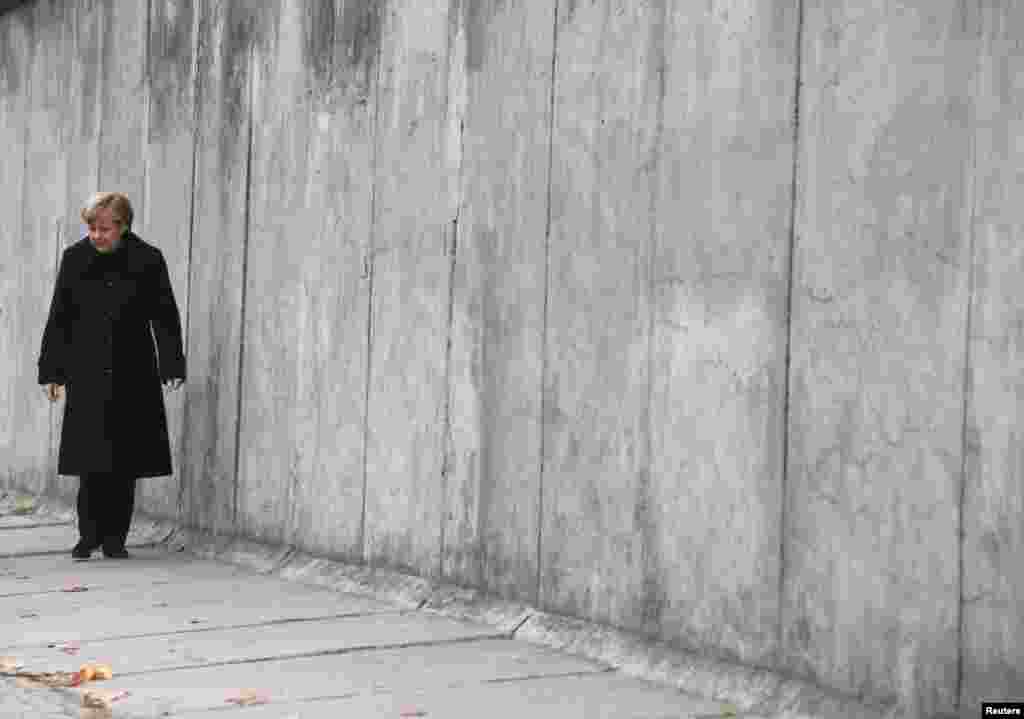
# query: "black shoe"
{"type": "Point", "coordinates": [118, 553]}
{"type": "Point", "coordinates": [82, 551]}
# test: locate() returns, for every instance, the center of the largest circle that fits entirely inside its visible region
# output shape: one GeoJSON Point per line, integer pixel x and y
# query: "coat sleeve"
{"type": "Point", "coordinates": [53, 355]}
{"type": "Point", "coordinates": [167, 326]}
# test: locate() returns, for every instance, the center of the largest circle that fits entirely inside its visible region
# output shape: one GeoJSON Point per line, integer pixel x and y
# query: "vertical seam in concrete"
{"type": "Point", "coordinates": [101, 82]}
{"type": "Point", "coordinates": [369, 260]}
{"type": "Point", "coordinates": [650, 554]}
{"type": "Point", "coordinates": [544, 312]}
{"type": "Point", "coordinates": [452, 248]}
{"type": "Point", "coordinates": [245, 274]}
{"type": "Point", "coordinates": [966, 387]}
{"type": "Point", "coordinates": [794, 184]}
{"type": "Point", "coordinates": [196, 48]}
{"type": "Point", "coordinates": [147, 85]}
{"type": "Point", "coordinates": [26, 135]}
{"type": "Point", "coordinates": [56, 268]}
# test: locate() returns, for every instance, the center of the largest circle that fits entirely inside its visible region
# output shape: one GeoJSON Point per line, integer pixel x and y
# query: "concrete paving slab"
{"type": "Point", "coordinates": [28, 521]}
{"type": "Point", "coordinates": [596, 696]}
{"type": "Point", "coordinates": [265, 642]}
{"type": "Point", "coordinates": [131, 611]}
{"type": "Point", "coordinates": [150, 567]}
{"type": "Point", "coordinates": [55, 539]}
{"type": "Point", "coordinates": [171, 693]}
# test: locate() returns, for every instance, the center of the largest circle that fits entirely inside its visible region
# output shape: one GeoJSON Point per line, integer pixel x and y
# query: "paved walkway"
{"type": "Point", "coordinates": [196, 638]}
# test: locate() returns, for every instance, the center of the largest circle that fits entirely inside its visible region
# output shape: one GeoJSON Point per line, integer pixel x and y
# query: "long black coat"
{"type": "Point", "coordinates": [98, 343]}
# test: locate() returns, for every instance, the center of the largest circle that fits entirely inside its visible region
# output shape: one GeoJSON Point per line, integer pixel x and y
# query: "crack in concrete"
{"type": "Point", "coordinates": [554, 675]}
{"type": "Point", "coordinates": [780, 636]}
{"type": "Point", "coordinates": [319, 653]}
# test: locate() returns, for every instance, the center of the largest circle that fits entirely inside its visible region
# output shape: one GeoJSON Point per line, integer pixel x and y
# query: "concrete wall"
{"type": "Point", "coordinates": [699, 321]}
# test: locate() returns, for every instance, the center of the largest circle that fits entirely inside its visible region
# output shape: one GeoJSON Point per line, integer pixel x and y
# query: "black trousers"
{"type": "Point", "coordinates": [105, 506]}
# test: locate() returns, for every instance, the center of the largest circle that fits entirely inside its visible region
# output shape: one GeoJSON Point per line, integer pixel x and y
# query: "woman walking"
{"type": "Point", "coordinates": [97, 345]}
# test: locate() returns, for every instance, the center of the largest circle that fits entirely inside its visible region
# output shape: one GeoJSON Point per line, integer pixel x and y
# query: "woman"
{"type": "Point", "coordinates": [111, 288]}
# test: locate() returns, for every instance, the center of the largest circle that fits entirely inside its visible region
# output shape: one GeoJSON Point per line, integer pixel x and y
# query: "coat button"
{"type": "Point", "coordinates": [109, 283]}
{"type": "Point", "coordinates": [108, 371]}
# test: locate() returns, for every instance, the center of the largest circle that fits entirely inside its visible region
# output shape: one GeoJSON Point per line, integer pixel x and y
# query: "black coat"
{"type": "Point", "coordinates": [98, 344]}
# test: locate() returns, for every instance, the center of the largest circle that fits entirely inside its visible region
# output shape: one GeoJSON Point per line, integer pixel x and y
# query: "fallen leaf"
{"type": "Point", "coordinates": [9, 665]}
{"type": "Point", "coordinates": [101, 699]}
{"type": "Point", "coordinates": [195, 621]}
{"type": "Point", "coordinates": [729, 710]}
{"type": "Point", "coordinates": [248, 697]}
{"type": "Point", "coordinates": [48, 679]}
{"type": "Point", "coordinates": [71, 649]}
{"type": "Point", "coordinates": [24, 505]}
{"type": "Point", "coordinates": [76, 588]}
{"type": "Point", "coordinates": [102, 672]}
{"type": "Point", "coordinates": [412, 713]}
{"type": "Point", "coordinates": [23, 614]}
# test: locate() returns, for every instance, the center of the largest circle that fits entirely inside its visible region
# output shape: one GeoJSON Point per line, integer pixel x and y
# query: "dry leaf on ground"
{"type": "Point", "coordinates": [247, 697]}
{"type": "Point", "coordinates": [412, 713]}
{"type": "Point", "coordinates": [76, 588]}
{"type": "Point", "coordinates": [24, 505]}
{"type": "Point", "coordinates": [101, 699]}
{"type": "Point", "coordinates": [47, 679]}
{"type": "Point", "coordinates": [9, 665]}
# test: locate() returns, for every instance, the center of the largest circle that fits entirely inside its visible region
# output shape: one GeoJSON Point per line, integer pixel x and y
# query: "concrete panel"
{"type": "Point", "coordinates": [415, 204]}
{"type": "Point", "coordinates": [304, 289]}
{"type": "Point", "coordinates": [151, 566]}
{"type": "Point", "coordinates": [84, 616]}
{"type": "Point", "coordinates": [708, 513]}
{"type": "Point", "coordinates": [327, 512]}
{"type": "Point", "coordinates": [37, 253]}
{"type": "Point", "coordinates": [358, 673]}
{"type": "Point", "coordinates": [878, 344]}
{"type": "Point", "coordinates": [166, 222]}
{"type": "Point", "coordinates": [248, 644]}
{"type": "Point", "coordinates": [597, 384]}
{"type": "Point", "coordinates": [493, 485]}
{"type": "Point", "coordinates": [278, 418]}
{"type": "Point", "coordinates": [216, 277]}
{"type": "Point", "coordinates": [993, 509]}
{"type": "Point", "coordinates": [53, 539]}
{"type": "Point", "coordinates": [16, 49]}
{"type": "Point", "coordinates": [124, 106]}
{"type": "Point", "coordinates": [85, 36]}
{"type": "Point", "coordinates": [588, 696]}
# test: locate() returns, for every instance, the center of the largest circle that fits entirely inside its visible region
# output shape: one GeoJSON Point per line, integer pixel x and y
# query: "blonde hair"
{"type": "Point", "coordinates": [116, 202]}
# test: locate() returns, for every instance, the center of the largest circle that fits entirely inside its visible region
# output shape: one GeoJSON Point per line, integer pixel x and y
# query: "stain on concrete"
{"type": "Point", "coordinates": [318, 45]}
{"type": "Point", "coordinates": [359, 35]}
{"type": "Point", "coordinates": [476, 18]}
{"type": "Point", "coordinates": [10, 75]}
{"type": "Point", "coordinates": [88, 42]}
{"type": "Point", "coordinates": [170, 66]}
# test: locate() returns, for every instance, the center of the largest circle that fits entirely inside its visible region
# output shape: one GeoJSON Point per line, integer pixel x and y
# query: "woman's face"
{"type": "Point", "coordinates": [104, 230]}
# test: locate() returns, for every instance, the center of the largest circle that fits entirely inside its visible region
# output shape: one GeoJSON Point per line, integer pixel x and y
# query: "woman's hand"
{"type": "Point", "coordinates": [173, 384]}
{"type": "Point", "coordinates": [54, 391]}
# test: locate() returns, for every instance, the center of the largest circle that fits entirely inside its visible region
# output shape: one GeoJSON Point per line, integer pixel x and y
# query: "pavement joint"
{"type": "Point", "coordinates": [32, 526]}
{"type": "Point", "coordinates": [219, 628]}
{"type": "Point", "coordinates": [288, 656]}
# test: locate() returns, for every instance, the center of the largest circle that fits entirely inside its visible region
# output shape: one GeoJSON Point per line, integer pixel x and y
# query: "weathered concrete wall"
{"type": "Point", "coordinates": [699, 321]}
